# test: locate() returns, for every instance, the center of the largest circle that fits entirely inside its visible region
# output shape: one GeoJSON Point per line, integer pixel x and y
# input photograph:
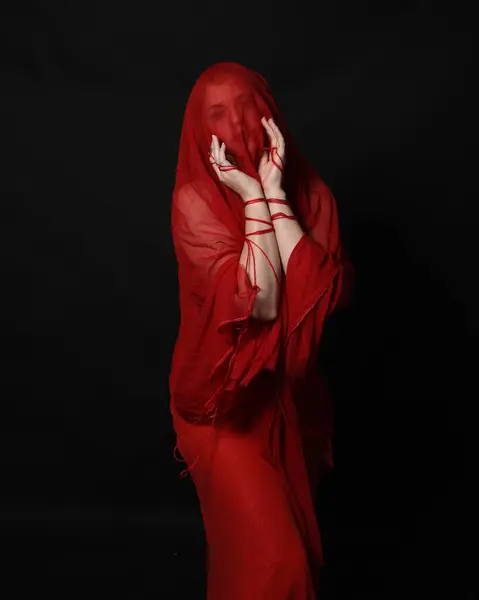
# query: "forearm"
{"type": "Point", "coordinates": [288, 232]}
{"type": "Point", "coordinates": [263, 250]}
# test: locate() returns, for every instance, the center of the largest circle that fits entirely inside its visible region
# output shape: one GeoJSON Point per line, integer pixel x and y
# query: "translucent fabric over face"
{"type": "Point", "coordinates": [233, 114]}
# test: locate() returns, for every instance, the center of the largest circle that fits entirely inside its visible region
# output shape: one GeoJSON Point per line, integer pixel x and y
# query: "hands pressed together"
{"type": "Point", "coordinates": [270, 167]}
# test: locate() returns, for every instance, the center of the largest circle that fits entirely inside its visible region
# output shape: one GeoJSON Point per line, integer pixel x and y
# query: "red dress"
{"type": "Point", "coordinates": [253, 418]}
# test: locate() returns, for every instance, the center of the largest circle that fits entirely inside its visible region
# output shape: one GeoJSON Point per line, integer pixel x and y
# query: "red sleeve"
{"type": "Point", "coordinates": [313, 283]}
{"type": "Point", "coordinates": [323, 228]}
{"type": "Point", "coordinates": [316, 281]}
{"type": "Point", "coordinates": [219, 347]}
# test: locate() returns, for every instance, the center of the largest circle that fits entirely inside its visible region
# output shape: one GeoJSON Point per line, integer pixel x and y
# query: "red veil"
{"type": "Point", "coordinates": [227, 365]}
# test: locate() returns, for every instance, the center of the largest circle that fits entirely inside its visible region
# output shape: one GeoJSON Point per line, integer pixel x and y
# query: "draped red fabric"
{"type": "Point", "coordinates": [252, 417]}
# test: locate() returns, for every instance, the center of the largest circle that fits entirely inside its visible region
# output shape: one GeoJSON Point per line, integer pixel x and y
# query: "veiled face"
{"type": "Point", "coordinates": [233, 116]}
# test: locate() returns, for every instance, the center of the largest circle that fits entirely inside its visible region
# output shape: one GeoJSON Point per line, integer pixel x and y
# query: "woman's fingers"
{"type": "Point", "coordinates": [218, 152]}
{"type": "Point", "coordinates": [275, 135]}
{"type": "Point", "coordinates": [222, 153]}
{"type": "Point", "coordinates": [269, 131]}
{"type": "Point", "coordinates": [278, 135]}
{"type": "Point", "coordinates": [214, 151]}
{"type": "Point", "coordinates": [218, 156]}
{"type": "Point", "coordinates": [264, 158]}
{"type": "Point", "coordinates": [272, 129]}
{"type": "Point", "coordinates": [217, 148]}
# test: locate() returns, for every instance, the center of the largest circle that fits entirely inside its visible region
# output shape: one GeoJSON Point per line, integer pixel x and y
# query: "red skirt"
{"type": "Point", "coordinates": [256, 539]}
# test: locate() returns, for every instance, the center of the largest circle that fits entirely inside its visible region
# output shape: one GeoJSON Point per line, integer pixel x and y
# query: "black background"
{"type": "Point", "coordinates": [376, 95]}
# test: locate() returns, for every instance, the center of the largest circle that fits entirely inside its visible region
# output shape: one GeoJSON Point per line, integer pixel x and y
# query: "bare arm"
{"type": "Point", "coordinates": [259, 270]}
{"type": "Point", "coordinates": [288, 231]}
{"type": "Point", "coordinates": [266, 303]}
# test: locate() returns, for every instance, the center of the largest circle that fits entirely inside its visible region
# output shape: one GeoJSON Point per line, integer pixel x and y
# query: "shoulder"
{"type": "Point", "coordinates": [192, 195]}
{"type": "Point", "coordinates": [322, 200]}
{"type": "Point", "coordinates": [318, 188]}
{"type": "Point", "coordinates": [194, 212]}
{"type": "Point", "coordinates": [184, 194]}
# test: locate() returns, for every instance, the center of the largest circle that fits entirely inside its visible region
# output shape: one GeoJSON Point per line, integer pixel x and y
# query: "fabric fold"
{"type": "Point", "coordinates": [220, 347]}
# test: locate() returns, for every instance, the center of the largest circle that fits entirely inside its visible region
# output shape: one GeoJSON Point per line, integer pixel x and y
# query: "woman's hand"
{"type": "Point", "coordinates": [271, 164]}
{"type": "Point", "coordinates": [245, 186]}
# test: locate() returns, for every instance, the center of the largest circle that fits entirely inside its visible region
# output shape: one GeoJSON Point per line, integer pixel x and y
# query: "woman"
{"type": "Point", "coordinates": [260, 267]}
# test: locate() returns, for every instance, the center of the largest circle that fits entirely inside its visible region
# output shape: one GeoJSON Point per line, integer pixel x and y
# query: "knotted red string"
{"type": "Point", "coordinates": [280, 215]}
{"type": "Point", "coordinates": [222, 167]}
{"type": "Point", "coordinates": [274, 217]}
{"type": "Point", "coordinates": [249, 242]}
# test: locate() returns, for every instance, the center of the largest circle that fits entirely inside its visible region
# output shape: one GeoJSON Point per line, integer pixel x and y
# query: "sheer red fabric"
{"type": "Point", "coordinates": [252, 416]}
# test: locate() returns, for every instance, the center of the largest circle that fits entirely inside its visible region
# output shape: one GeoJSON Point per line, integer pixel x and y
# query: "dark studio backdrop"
{"type": "Point", "coordinates": [92, 104]}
